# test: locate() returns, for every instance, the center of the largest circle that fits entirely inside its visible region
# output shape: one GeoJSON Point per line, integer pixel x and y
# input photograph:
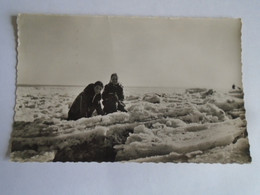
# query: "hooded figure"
{"type": "Point", "coordinates": [113, 96]}
{"type": "Point", "coordinates": [86, 102]}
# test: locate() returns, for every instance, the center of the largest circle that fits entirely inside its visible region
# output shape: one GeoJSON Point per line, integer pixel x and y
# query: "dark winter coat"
{"type": "Point", "coordinates": [110, 91]}
{"type": "Point", "coordinates": [110, 101]}
{"type": "Point", "coordinates": [85, 104]}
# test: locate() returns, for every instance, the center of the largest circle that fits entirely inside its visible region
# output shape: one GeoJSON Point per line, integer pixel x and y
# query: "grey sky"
{"type": "Point", "coordinates": [179, 52]}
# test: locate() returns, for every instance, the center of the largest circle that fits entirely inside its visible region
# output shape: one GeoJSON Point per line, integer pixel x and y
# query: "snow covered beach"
{"type": "Point", "coordinates": [162, 125]}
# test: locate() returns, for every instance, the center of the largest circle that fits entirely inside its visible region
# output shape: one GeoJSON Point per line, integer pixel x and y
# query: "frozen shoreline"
{"type": "Point", "coordinates": [160, 126]}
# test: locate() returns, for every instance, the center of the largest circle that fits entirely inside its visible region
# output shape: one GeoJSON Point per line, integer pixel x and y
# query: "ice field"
{"type": "Point", "coordinates": [162, 125]}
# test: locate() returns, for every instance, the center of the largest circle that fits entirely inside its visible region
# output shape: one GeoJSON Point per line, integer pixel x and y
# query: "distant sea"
{"type": "Point", "coordinates": [127, 90]}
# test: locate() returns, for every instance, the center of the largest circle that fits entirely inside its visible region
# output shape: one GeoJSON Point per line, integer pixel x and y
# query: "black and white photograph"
{"type": "Point", "coordinates": [129, 89]}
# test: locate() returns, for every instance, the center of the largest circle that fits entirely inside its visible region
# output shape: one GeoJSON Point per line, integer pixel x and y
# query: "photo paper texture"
{"type": "Point", "coordinates": [129, 89]}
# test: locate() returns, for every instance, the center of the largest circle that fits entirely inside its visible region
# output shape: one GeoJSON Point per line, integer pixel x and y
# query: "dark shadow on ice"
{"type": "Point", "coordinates": [99, 149]}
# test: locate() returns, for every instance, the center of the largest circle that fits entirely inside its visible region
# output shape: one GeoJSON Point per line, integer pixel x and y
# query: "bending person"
{"type": "Point", "coordinates": [113, 96]}
{"type": "Point", "coordinates": [86, 102]}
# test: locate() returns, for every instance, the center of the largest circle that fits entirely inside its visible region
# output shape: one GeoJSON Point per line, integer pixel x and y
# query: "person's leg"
{"type": "Point", "coordinates": [109, 106]}
{"type": "Point", "coordinates": [77, 109]}
{"type": "Point", "coordinates": [73, 116]}
{"type": "Point", "coordinates": [90, 111]}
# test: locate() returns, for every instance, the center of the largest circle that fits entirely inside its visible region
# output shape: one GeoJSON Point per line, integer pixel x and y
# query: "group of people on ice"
{"type": "Point", "coordinates": [89, 100]}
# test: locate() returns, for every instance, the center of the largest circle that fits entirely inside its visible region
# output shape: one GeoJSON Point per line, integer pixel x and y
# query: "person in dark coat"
{"type": "Point", "coordinates": [113, 96]}
{"type": "Point", "coordinates": [86, 102]}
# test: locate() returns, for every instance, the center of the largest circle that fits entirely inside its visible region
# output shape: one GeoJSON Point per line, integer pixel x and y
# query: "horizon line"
{"type": "Point", "coordinates": [64, 85]}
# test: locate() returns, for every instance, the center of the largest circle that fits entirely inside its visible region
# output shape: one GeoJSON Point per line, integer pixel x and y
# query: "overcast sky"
{"type": "Point", "coordinates": [161, 52]}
